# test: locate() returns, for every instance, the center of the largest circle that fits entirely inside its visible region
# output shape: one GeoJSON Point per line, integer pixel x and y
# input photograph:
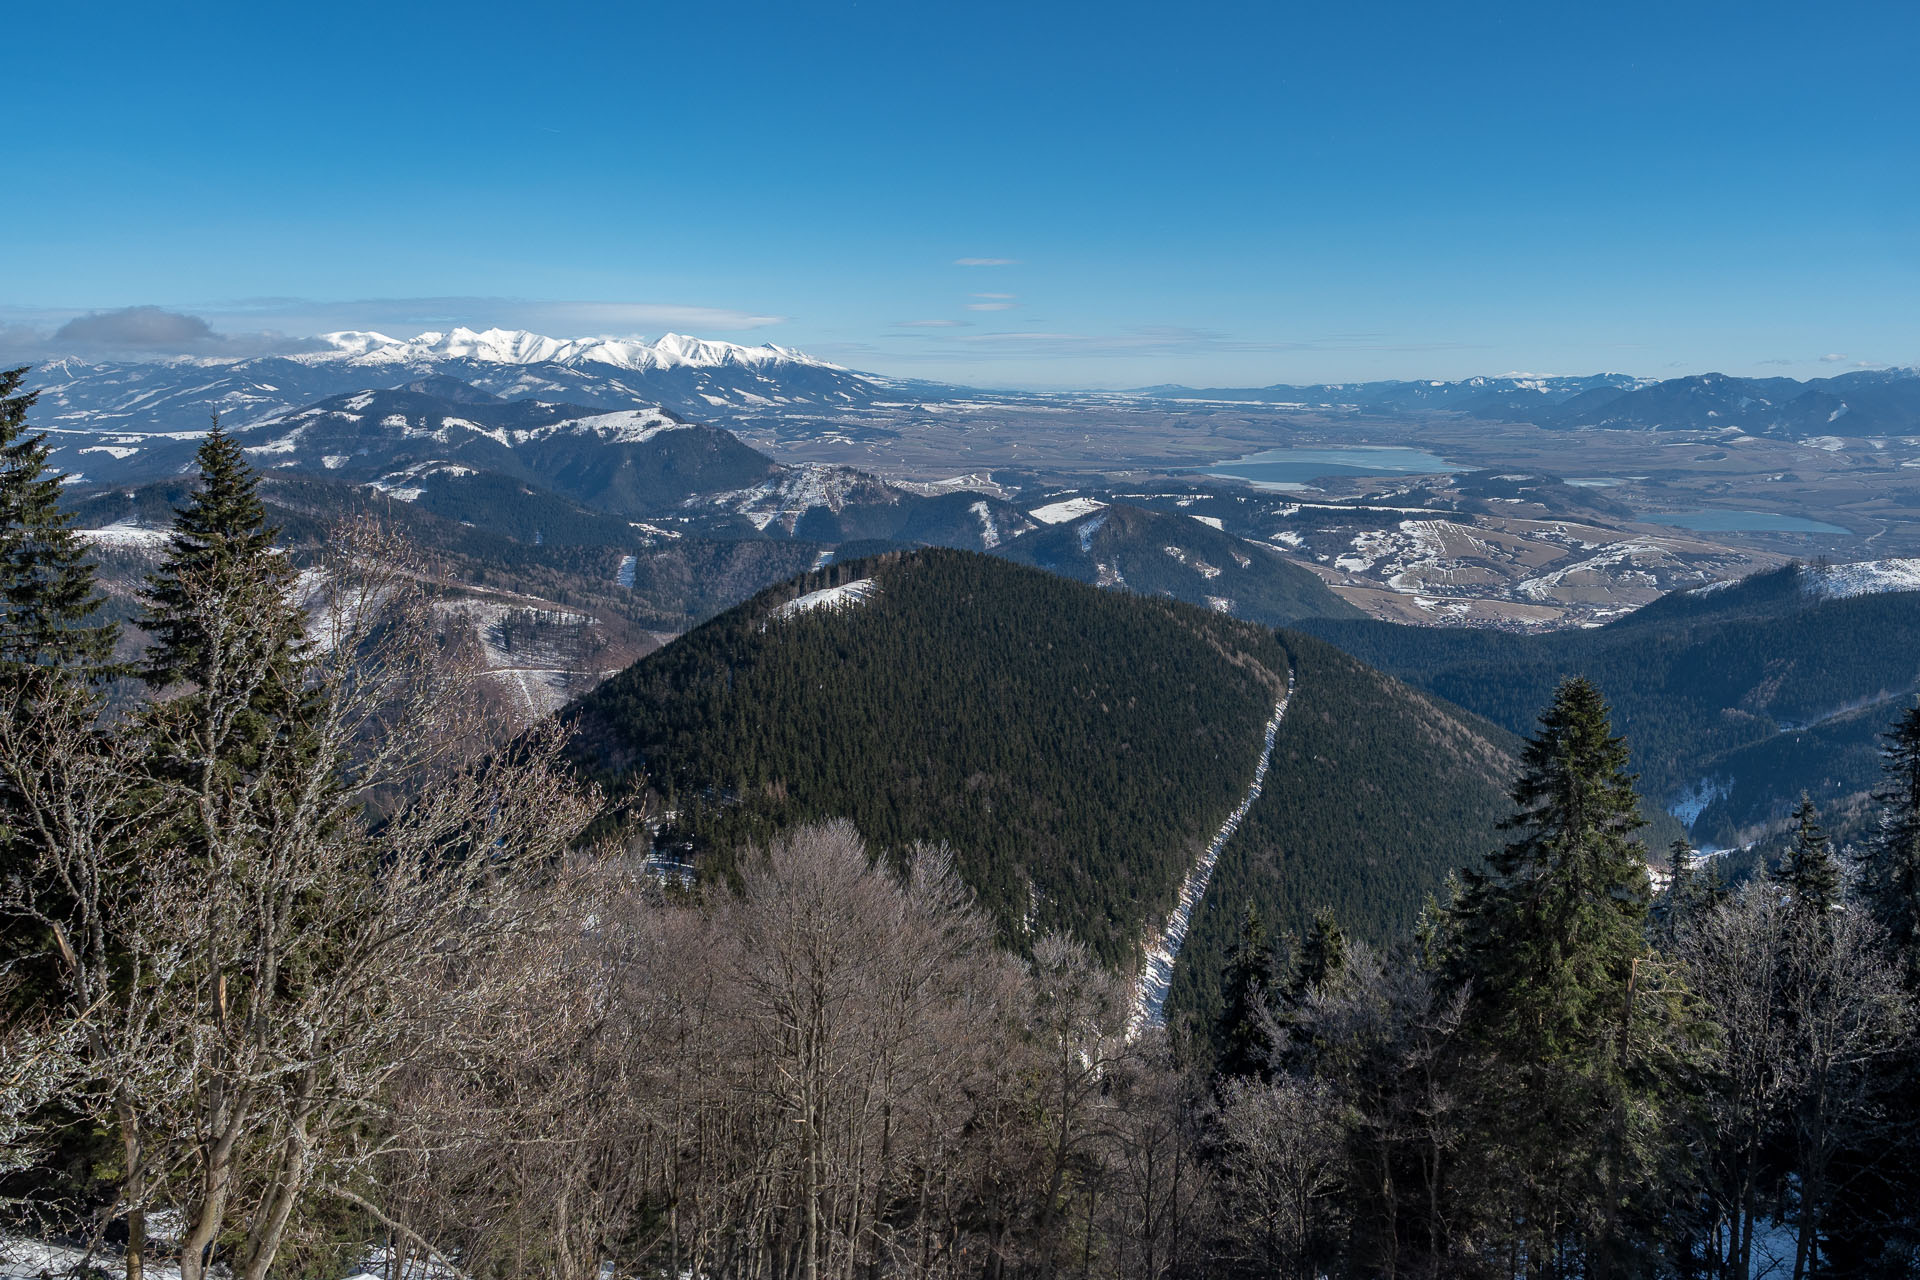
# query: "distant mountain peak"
{"type": "Point", "coordinates": [519, 346]}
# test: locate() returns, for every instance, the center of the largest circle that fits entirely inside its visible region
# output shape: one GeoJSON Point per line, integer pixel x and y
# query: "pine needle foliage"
{"type": "Point", "coordinates": [1572, 1007]}
{"type": "Point", "coordinates": [1810, 873]}
{"type": "Point", "coordinates": [1890, 864]}
{"type": "Point", "coordinates": [48, 601]}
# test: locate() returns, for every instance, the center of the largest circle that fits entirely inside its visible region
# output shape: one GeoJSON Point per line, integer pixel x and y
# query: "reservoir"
{"type": "Point", "coordinates": [1294, 468]}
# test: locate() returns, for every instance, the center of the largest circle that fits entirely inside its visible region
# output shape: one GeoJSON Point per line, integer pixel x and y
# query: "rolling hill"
{"type": "Point", "coordinates": [1074, 747]}
{"type": "Point", "coordinates": [1735, 697]}
{"type": "Point", "coordinates": [1160, 553]}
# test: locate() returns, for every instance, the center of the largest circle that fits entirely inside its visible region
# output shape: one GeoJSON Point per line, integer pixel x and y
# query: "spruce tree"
{"type": "Point", "coordinates": [1551, 930]}
{"type": "Point", "coordinates": [1247, 988]}
{"type": "Point", "coordinates": [48, 601]}
{"type": "Point", "coordinates": [228, 641]}
{"type": "Point", "coordinates": [1890, 863]}
{"type": "Point", "coordinates": [1810, 874]}
{"type": "Point", "coordinates": [1322, 956]}
{"type": "Point", "coordinates": [1566, 999]}
{"type": "Point", "coordinates": [217, 606]}
{"type": "Point", "coordinates": [1683, 892]}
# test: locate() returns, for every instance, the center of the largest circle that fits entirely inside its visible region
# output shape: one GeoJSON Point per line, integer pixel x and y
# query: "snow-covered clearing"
{"type": "Point", "coordinates": [623, 576]}
{"type": "Point", "coordinates": [1868, 577]}
{"type": "Point", "coordinates": [1156, 975]}
{"type": "Point", "coordinates": [1213, 521]}
{"type": "Point", "coordinates": [844, 596]}
{"type": "Point", "coordinates": [1069, 509]}
{"type": "Point", "coordinates": [1087, 531]}
{"type": "Point", "coordinates": [125, 533]}
{"type": "Point", "coordinates": [1692, 802]}
{"type": "Point", "coordinates": [989, 533]}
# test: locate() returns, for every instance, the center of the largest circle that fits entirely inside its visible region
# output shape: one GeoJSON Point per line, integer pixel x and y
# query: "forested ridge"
{"type": "Point", "coordinates": [309, 969]}
{"type": "Point", "coordinates": [1760, 689]}
{"type": "Point", "coordinates": [1073, 748]}
{"type": "Point", "coordinates": [1375, 794]}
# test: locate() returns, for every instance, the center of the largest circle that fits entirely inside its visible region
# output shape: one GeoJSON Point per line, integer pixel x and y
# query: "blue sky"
{"type": "Point", "coordinates": [1023, 194]}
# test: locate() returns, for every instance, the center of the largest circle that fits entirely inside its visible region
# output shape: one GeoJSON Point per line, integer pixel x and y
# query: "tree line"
{"type": "Point", "coordinates": [300, 960]}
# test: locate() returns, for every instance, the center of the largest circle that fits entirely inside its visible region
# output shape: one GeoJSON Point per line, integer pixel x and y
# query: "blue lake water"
{"type": "Point", "coordinates": [1294, 468]}
{"type": "Point", "coordinates": [1746, 522]}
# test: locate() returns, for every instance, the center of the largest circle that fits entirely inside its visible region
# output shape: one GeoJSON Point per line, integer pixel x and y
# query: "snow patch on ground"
{"type": "Point", "coordinates": [1087, 531]}
{"type": "Point", "coordinates": [1068, 509]}
{"type": "Point", "coordinates": [125, 533]}
{"type": "Point", "coordinates": [989, 534]}
{"type": "Point", "coordinates": [844, 596]}
{"type": "Point", "coordinates": [1156, 974]}
{"type": "Point", "coordinates": [623, 576]}
{"type": "Point", "coordinates": [628, 426]}
{"type": "Point", "coordinates": [1212, 521]}
{"type": "Point", "coordinates": [790, 495]}
{"type": "Point", "coordinates": [972, 482]}
{"type": "Point", "coordinates": [1868, 577]}
{"type": "Point", "coordinates": [1692, 802]}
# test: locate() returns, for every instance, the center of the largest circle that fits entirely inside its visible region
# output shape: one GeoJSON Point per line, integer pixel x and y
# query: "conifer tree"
{"type": "Point", "coordinates": [1323, 954]}
{"type": "Point", "coordinates": [47, 598]}
{"type": "Point", "coordinates": [1890, 864]}
{"type": "Point", "coordinates": [1683, 893]}
{"type": "Point", "coordinates": [1247, 984]}
{"type": "Point", "coordinates": [228, 640]}
{"type": "Point", "coordinates": [221, 550]}
{"type": "Point", "coordinates": [1566, 1000]}
{"type": "Point", "coordinates": [1810, 874]}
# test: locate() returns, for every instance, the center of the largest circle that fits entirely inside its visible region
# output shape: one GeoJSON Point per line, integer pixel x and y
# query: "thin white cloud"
{"type": "Point", "coordinates": [1000, 296]}
{"type": "Point", "coordinates": [986, 262]}
{"type": "Point", "coordinates": [991, 306]}
{"type": "Point", "coordinates": [932, 324]}
{"type": "Point", "coordinates": [564, 318]}
{"type": "Point", "coordinates": [1833, 357]}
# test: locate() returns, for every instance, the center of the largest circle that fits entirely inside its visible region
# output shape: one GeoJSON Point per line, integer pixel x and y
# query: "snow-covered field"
{"type": "Point", "coordinates": [125, 533]}
{"type": "Point", "coordinates": [844, 596]}
{"type": "Point", "coordinates": [1868, 577]}
{"type": "Point", "coordinates": [1069, 509]}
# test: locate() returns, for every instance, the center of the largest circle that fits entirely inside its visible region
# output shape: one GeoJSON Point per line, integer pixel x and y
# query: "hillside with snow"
{"type": "Point", "coordinates": [695, 376]}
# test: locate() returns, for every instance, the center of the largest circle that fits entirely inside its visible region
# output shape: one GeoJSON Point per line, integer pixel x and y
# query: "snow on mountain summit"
{"type": "Point", "coordinates": [1865, 577]}
{"type": "Point", "coordinates": [518, 346]}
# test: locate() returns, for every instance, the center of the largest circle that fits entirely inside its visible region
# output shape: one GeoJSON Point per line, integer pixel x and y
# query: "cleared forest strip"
{"type": "Point", "coordinates": [1162, 951]}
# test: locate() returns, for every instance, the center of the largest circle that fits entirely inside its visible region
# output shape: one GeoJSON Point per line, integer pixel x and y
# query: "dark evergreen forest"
{"type": "Point", "coordinates": [1074, 748]}
{"type": "Point", "coordinates": [1758, 690]}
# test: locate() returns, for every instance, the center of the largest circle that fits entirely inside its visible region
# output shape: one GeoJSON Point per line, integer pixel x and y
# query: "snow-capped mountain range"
{"type": "Point", "coordinates": [518, 346]}
{"type": "Point", "coordinates": [693, 376]}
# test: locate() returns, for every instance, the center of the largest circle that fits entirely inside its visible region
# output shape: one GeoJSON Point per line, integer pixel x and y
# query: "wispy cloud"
{"type": "Point", "coordinates": [991, 306]}
{"type": "Point", "coordinates": [994, 295]}
{"type": "Point", "coordinates": [932, 324]}
{"type": "Point", "coordinates": [1833, 357]}
{"type": "Point", "coordinates": [1154, 340]}
{"type": "Point", "coordinates": [986, 262]}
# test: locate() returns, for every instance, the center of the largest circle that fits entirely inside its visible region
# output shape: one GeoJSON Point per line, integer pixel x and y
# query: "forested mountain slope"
{"type": "Point", "coordinates": [1161, 553]}
{"type": "Point", "coordinates": [1375, 793]}
{"type": "Point", "coordinates": [1735, 699]}
{"type": "Point", "coordinates": [1075, 748]}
